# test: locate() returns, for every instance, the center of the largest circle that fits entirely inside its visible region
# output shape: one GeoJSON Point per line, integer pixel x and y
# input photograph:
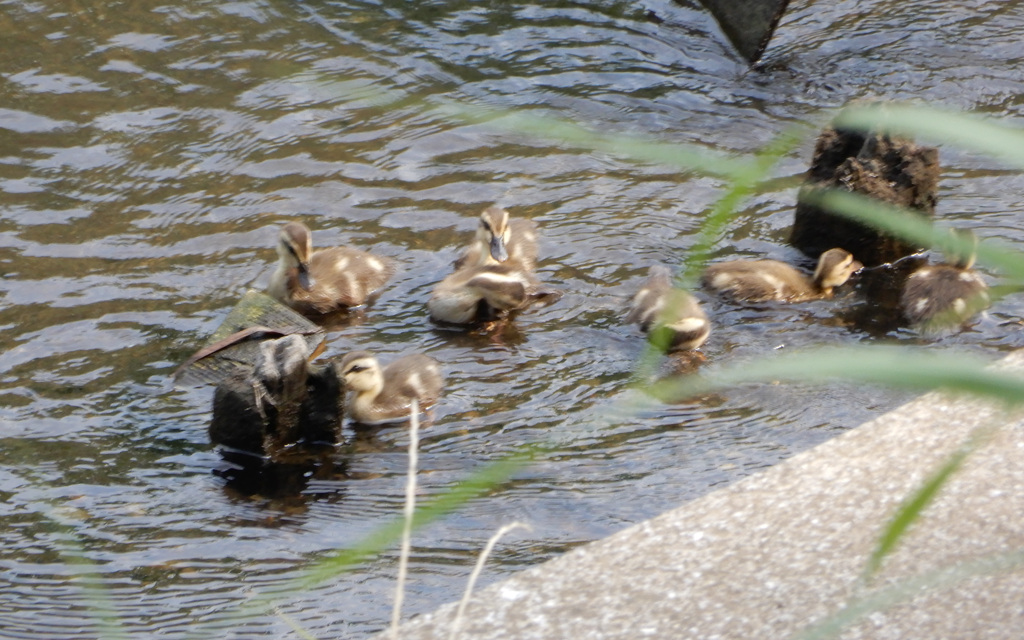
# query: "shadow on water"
{"type": "Point", "coordinates": [152, 150]}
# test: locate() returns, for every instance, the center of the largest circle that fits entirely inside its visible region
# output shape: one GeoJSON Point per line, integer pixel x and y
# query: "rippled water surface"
{"type": "Point", "coordinates": [150, 149]}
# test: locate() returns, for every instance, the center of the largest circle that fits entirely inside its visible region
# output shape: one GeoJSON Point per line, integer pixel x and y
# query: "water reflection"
{"type": "Point", "coordinates": [152, 150]}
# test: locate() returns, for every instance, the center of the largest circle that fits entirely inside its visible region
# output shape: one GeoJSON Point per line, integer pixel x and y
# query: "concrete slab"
{"type": "Point", "coordinates": [783, 550]}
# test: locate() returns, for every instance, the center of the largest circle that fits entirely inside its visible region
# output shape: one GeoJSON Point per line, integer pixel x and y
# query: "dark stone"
{"type": "Point", "coordinates": [893, 170]}
{"type": "Point", "coordinates": [877, 312]}
{"type": "Point", "coordinates": [310, 414]}
{"type": "Point", "coordinates": [749, 24]}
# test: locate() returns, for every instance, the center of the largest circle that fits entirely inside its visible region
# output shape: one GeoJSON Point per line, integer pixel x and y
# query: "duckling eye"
{"type": "Point", "coordinates": [356, 368]}
{"type": "Point", "coordinates": [486, 226]}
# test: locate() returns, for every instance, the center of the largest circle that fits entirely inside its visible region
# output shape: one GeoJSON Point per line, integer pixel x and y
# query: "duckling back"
{"type": "Point", "coordinates": [758, 281]}
{"type": "Point", "coordinates": [342, 277]}
{"type": "Point", "coordinates": [763, 280]}
{"type": "Point", "coordinates": [480, 293]}
{"type": "Point", "coordinates": [942, 296]}
{"type": "Point", "coordinates": [668, 314]}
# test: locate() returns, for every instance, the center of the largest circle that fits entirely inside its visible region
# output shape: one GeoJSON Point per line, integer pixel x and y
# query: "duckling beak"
{"type": "Point", "coordinates": [305, 280]}
{"type": "Point", "coordinates": [498, 251]}
{"type": "Point", "coordinates": [856, 267]}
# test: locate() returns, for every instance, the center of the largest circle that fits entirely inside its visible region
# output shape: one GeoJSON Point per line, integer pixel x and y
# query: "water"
{"type": "Point", "coordinates": [150, 150]}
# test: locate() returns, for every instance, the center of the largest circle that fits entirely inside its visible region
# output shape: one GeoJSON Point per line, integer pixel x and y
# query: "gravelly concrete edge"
{"type": "Point", "coordinates": [784, 549]}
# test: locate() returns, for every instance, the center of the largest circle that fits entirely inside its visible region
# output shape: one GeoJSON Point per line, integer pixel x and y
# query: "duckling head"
{"type": "Point", "coordinates": [361, 372]}
{"type": "Point", "coordinates": [279, 379]}
{"type": "Point", "coordinates": [492, 235]}
{"type": "Point", "coordinates": [281, 358]}
{"type": "Point", "coordinates": [294, 247]}
{"type": "Point", "coordinates": [835, 267]}
{"type": "Point", "coordinates": [965, 248]}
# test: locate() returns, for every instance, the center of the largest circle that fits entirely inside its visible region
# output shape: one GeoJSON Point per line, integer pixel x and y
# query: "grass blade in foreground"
{"type": "Point", "coordinates": [962, 130]}
{"type": "Point", "coordinates": [909, 589]}
{"type": "Point", "coordinates": [386, 536]}
{"type": "Point", "coordinates": [912, 508]}
{"type": "Point", "coordinates": [476, 485]}
{"type": "Point", "coordinates": [911, 227]}
{"type": "Point", "coordinates": [895, 366]}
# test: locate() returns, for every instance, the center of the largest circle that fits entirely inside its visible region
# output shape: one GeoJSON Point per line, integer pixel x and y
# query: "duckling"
{"type": "Point", "coordinates": [937, 297]}
{"type": "Point", "coordinates": [282, 401]}
{"type": "Point", "coordinates": [762, 280]}
{"type": "Point", "coordinates": [659, 308]}
{"type": "Point", "coordinates": [499, 240]}
{"type": "Point", "coordinates": [494, 275]}
{"type": "Point", "coordinates": [326, 280]}
{"type": "Point", "coordinates": [482, 293]}
{"type": "Point", "coordinates": [385, 395]}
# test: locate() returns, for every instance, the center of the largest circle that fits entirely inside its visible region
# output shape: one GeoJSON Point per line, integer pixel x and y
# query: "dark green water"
{"type": "Point", "coordinates": [150, 149]}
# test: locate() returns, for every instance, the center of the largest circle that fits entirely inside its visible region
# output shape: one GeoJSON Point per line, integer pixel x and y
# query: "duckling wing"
{"type": "Point", "coordinates": [757, 280]}
{"type": "Point", "coordinates": [344, 277]}
{"type": "Point", "coordinates": [942, 296]}
{"type": "Point", "coordinates": [650, 299]}
{"type": "Point", "coordinates": [522, 247]}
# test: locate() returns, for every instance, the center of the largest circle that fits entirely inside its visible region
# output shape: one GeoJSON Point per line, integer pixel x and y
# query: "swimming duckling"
{"type": "Point", "coordinates": [500, 240]}
{"type": "Point", "coordinates": [762, 280]}
{"type": "Point", "coordinates": [947, 295]}
{"type": "Point", "coordinates": [482, 293]}
{"type": "Point", "coordinates": [385, 395]}
{"type": "Point", "coordinates": [494, 275]}
{"type": "Point", "coordinates": [659, 308]}
{"type": "Point", "coordinates": [326, 280]}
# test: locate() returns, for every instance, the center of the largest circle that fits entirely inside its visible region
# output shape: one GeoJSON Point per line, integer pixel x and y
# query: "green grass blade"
{"type": "Point", "coordinates": [962, 130]}
{"type": "Point", "coordinates": [912, 509]}
{"type": "Point", "coordinates": [912, 228]}
{"type": "Point", "coordinates": [484, 480]}
{"type": "Point", "coordinates": [895, 366]}
{"type": "Point", "coordinates": [906, 590]}
{"type": "Point", "coordinates": [742, 185]}
{"type": "Point", "coordinates": [700, 160]}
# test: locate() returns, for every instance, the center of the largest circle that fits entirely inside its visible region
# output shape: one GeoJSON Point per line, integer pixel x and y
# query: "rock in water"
{"type": "Point", "coordinates": [894, 170]}
{"type": "Point", "coordinates": [283, 401]}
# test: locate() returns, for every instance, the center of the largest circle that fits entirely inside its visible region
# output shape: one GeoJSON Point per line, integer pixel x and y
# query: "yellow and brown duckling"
{"type": "Point", "coordinates": [494, 275]}
{"type": "Point", "coordinates": [944, 296]}
{"type": "Point", "coordinates": [319, 282]}
{"type": "Point", "coordinates": [500, 239]}
{"type": "Point", "coordinates": [764, 280]}
{"type": "Point", "coordinates": [668, 314]}
{"type": "Point", "coordinates": [382, 395]}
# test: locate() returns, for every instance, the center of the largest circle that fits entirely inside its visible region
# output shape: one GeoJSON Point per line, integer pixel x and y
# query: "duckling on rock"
{"type": "Point", "coordinates": [494, 275]}
{"type": "Point", "coordinates": [327, 280]}
{"type": "Point", "coordinates": [282, 401]}
{"type": "Point", "coordinates": [661, 309]}
{"type": "Point", "coordinates": [763, 280]}
{"type": "Point", "coordinates": [385, 395]}
{"type": "Point", "coordinates": [944, 296]}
